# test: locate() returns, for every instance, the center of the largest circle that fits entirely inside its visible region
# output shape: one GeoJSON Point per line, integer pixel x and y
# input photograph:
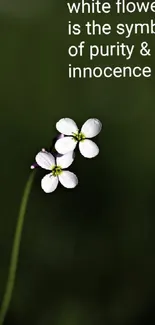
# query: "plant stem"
{"type": "Point", "coordinates": [15, 250]}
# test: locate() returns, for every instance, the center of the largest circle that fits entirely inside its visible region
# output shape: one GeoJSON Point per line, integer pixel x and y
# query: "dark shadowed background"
{"type": "Point", "coordinates": [87, 255]}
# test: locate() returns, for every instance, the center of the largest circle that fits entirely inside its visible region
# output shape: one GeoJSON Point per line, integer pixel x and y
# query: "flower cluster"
{"type": "Point", "coordinates": [70, 136]}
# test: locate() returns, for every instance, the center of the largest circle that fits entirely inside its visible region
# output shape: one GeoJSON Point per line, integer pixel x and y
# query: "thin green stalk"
{"type": "Point", "coordinates": [15, 250]}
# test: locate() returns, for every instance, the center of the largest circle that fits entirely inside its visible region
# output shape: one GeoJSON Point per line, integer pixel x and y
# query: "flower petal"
{"type": "Point", "coordinates": [68, 179]}
{"type": "Point", "coordinates": [91, 127]}
{"type": "Point", "coordinates": [66, 126]}
{"type": "Point", "coordinates": [65, 145]}
{"type": "Point", "coordinates": [65, 161]}
{"type": "Point", "coordinates": [45, 160]}
{"type": "Point", "coordinates": [88, 148]}
{"type": "Point", "coordinates": [49, 183]}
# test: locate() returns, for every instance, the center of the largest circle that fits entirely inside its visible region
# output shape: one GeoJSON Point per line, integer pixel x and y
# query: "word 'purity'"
{"type": "Point", "coordinates": [119, 49]}
{"type": "Point", "coordinates": [122, 6]}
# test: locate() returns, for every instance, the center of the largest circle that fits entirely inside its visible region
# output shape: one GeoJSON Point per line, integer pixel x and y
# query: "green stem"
{"type": "Point", "coordinates": [15, 250]}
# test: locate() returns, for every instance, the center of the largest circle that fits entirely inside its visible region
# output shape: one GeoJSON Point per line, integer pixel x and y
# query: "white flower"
{"type": "Point", "coordinates": [68, 127]}
{"type": "Point", "coordinates": [56, 165]}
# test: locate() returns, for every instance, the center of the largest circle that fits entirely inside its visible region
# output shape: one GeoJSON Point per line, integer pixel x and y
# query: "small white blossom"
{"type": "Point", "coordinates": [68, 127]}
{"type": "Point", "coordinates": [56, 165]}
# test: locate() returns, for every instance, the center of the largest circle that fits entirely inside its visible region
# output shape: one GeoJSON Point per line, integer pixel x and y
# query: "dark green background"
{"type": "Point", "coordinates": [87, 255]}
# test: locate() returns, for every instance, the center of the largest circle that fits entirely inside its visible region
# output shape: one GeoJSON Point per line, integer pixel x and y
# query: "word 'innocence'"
{"type": "Point", "coordinates": [108, 72]}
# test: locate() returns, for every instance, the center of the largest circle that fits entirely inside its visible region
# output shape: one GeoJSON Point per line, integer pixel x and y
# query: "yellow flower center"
{"type": "Point", "coordinates": [79, 136]}
{"type": "Point", "coordinates": [56, 171]}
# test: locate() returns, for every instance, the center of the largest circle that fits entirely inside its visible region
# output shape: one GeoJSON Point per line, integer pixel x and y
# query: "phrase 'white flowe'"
{"type": "Point", "coordinates": [56, 165]}
{"type": "Point", "coordinates": [68, 127]}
